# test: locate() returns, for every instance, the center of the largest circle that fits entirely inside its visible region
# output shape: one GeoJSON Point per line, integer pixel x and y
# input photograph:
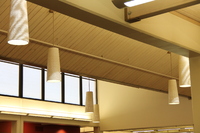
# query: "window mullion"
{"type": "Point", "coordinates": [63, 87]}
{"type": "Point", "coordinates": [81, 91]}
{"type": "Point", "coordinates": [20, 80]}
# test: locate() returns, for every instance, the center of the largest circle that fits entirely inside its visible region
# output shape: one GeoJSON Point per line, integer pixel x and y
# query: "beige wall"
{"type": "Point", "coordinates": [124, 107]}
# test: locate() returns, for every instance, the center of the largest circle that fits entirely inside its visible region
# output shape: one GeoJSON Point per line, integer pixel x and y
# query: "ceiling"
{"type": "Point", "coordinates": [92, 51]}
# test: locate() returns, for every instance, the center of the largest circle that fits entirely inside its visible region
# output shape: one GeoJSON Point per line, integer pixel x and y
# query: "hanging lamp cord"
{"type": "Point", "coordinates": [53, 30]}
{"type": "Point", "coordinates": [170, 61]}
{"type": "Point", "coordinates": [89, 83]}
{"type": "Point", "coordinates": [51, 11]}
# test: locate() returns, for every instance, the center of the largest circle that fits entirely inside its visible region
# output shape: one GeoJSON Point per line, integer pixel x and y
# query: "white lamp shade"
{"type": "Point", "coordinates": [173, 92]}
{"type": "Point", "coordinates": [184, 72]}
{"type": "Point", "coordinates": [96, 117]}
{"type": "Point", "coordinates": [18, 29]}
{"type": "Point", "coordinates": [89, 102]}
{"type": "Point", "coordinates": [53, 65]}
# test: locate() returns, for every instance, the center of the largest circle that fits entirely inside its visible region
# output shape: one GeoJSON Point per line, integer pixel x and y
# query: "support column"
{"type": "Point", "coordinates": [195, 90]}
{"type": "Point", "coordinates": [97, 130]}
{"type": "Point", "coordinates": [16, 127]}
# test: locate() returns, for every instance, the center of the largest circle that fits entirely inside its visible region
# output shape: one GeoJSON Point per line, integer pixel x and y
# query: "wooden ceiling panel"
{"type": "Point", "coordinates": [89, 51]}
{"type": "Point", "coordinates": [41, 24]}
{"type": "Point", "coordinates": [102, 68]}
{"type": "Point", "coordinates": [65, 35]}
{"type": "Point", "coordinates": [191, 12]}
{"type": "Point", "coordinates": [4, 14]}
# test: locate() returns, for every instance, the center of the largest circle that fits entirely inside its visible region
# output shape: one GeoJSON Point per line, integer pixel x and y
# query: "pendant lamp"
{"type": "Point", "coordinates": [173, 92]}
{"type": "Point", "coordinates": [184, 72]}
{"type": "Point", "coordinates": [89, 100]}
{"type": "Point", "coordinates": [18, 28]}
{"type": "Point", "coordinates": [96, 117]}
{"type": "Point", "coordinates": [53, 65]}
{"type": "Point", "coordinates": [53, 62]}
{"type": "Point", "coordinates": [172, 88]}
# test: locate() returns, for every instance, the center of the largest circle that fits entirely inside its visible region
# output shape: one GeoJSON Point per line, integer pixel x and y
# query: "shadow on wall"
{"type": "Point", "coordinates": [48, 128]}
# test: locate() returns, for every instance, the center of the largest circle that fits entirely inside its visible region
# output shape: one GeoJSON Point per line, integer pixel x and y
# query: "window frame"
{"type": "Point", "coordinates": [21, 91]}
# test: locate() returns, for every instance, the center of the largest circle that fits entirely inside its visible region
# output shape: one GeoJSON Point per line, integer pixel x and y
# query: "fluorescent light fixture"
{"type": "Point", "coordinates": [62, 117]}
{"type": "Point", "coordinates": [13, 113]}
{"type": "Point", "coordinates": [168, 129]}
{"type": "Point", "coordinates": [44, 113]}
{"type": "Point", "coordinates": [189, 128]}
{"type": "Point", "coordinates": [129, 3]}
{"type": "Point", "coordinates": [143, 131]}
{"type": "Point", "coordinates": [81, 119]}
{"type": "Point", "coordinates": [40, 115]}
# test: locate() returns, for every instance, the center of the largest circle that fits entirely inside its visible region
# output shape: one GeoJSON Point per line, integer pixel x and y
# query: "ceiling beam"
{"type": "Point", "coordinates": [105, 15]}
{"type": "Point", "coordinates": [136, 13]}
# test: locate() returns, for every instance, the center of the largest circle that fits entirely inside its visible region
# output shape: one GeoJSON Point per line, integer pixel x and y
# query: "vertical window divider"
{"type": "Point", "coordinates": [63, 87]}
{"type": "Point", "coordinates": [96, 91]}
{"type": "Point", "coordinates": [42, 84]}
{"type": "Point", "coordinates": [20, 80]}
{"type": "Point", "coordinates": [81, 91]}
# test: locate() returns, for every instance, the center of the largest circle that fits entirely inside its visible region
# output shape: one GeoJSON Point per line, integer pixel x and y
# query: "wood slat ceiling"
{"type": "Point", "coordinates": [89, 50]}
{"type": "Point", "coordinates": [191, 12]}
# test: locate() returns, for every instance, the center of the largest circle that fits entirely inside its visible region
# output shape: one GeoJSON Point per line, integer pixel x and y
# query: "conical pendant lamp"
{"type": "Point", "coordinates": [173, 97]}
{"type": "Point", "coordinates": [173, 92]}
{"type": "Point", "coordinates": [96, 117]}
{"type": "Point", "coordinates": [53, 62]}
{"type": "Point", "coordinates": [89, 100]}
{"type": "Point", "coordinates": [184, 72]}
{"type": "Point", "coordinates": [53, 65]}
{"type": "Point", "coordinates": [18, 29]}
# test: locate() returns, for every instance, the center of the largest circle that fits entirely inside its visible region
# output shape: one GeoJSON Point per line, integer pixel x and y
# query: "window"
{"type": "Point", "coordinates": [52, 90]}
{"type": "Point", "coordinates": [72, 89]}
{"type": "Point", "coordinates": [88, 84]}
{"type": "Point", "coordinates": [9, 79]}
{"type": "Point", "coordinates": [32, 82]}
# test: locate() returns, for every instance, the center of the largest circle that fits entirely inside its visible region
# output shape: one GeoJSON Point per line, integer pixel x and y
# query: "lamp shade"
{"type": "Point", "coordinates": [129, 3]}
{"type": "Point", "coordinates": [96, 117]}
{"type": "Point", "coordinates": [53, 65]}
{"type": "Point", "coordinates": [18, 29]}
{"type": "Point", "coordinates": [184, 72]}
{"type": "Point", "coordinates": [89, 102]}
{"type": "Point", "coordinates": [173, 92]}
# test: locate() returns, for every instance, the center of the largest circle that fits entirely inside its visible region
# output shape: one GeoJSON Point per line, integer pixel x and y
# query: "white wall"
{"type": "Point", "coordinates": [124, 107]}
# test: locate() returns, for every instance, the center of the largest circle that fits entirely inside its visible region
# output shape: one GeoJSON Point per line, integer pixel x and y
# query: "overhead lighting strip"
{"type": "Point", "coordinates": [44, 113]}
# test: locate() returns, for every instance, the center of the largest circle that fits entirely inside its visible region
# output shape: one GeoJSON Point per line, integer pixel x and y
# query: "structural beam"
{"type": "Point", "coordinates": [134, 14]}
{"type": "Point", "coordinates": [105, 15]}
